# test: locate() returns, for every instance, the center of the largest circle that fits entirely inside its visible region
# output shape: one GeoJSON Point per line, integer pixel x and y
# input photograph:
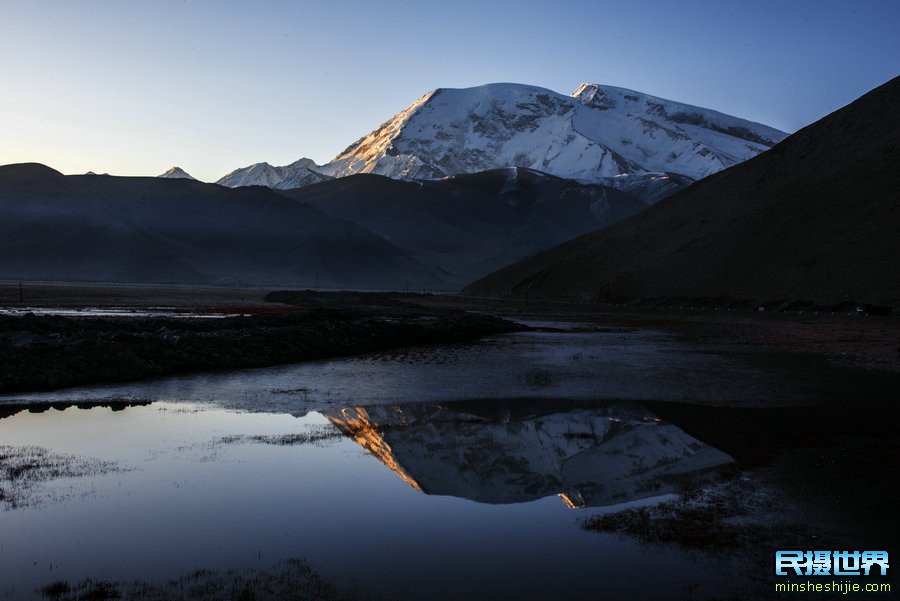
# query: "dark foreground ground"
{"type": "Point", "coordinates": [846, 338]}
{"type": "Point", "coordinates": [46, 352]}
{"type": "Point", "coordinates": [851, 340]}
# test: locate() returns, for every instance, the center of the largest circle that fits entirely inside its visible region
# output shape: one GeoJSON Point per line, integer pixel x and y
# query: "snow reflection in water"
{"type": "Point", "coordinates": [204, 487]}
{"type": "Point", "coordinates": [508, 452]}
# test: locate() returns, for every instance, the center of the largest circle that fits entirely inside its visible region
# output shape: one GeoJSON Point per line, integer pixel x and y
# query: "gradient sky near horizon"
{"type": "Point", "coordinates": [132, 88]}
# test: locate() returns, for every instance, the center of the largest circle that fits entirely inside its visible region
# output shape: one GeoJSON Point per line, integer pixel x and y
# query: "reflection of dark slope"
{"type": "Point", "coordinates": [756, 435]}
{"type": "Point", "coordinates": [813, 219]}
{"type": "Point", "coordinates": [826, 474]}
{"type": "Point", "coordinates": [100, 228]}
{"type": "Point", "coordinates": [472, 224]}
{"type": "Point", "coordinates": [590, 456]}
{"type": "Point", "coordinates": [25, 470]}
{"type": "Point", "coordinates": [10, 409]}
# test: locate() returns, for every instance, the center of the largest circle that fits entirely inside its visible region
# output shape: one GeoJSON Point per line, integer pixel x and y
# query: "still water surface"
{"type": "Point", "coordinates": [428, 473]}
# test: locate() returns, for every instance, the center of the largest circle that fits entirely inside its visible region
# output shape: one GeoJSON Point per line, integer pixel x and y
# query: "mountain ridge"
{"type": "Point", "coordinates": [302, 172]}
{"type": "Point", "coordinates": [596, 134]}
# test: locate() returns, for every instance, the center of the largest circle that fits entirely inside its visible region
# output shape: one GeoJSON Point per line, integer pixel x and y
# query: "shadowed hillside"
{"type": "Point", "coordinates": [153, 230]}
{"type": "Point", "coordinates": [817, 218]}
{"type": "Point", "coordinates": [470, 225]}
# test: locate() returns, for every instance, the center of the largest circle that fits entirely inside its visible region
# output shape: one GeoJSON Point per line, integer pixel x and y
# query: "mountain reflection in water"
{"type": "Point", "coordinates": [513, 452]}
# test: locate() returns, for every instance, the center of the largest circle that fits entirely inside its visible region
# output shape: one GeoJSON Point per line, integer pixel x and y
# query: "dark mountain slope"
{"type": "Point", "coordinates": [123, 229]}
{"type": "Point", "coordinates": [54, 229]}
{"type": "Point", "coordinates": [470, 225]}
{"type": "Point", "coordinates": [816, 218]}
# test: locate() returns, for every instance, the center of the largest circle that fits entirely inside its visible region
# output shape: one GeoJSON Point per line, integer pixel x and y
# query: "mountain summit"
{"type": "Point", "coordinates": [300, 173]}
{"type": "Point", "coordinates": [600, 134]}
{"type": "Point", "coordinates": [597, 132]}
{"type": "Point", "coordinates": [176, 173]}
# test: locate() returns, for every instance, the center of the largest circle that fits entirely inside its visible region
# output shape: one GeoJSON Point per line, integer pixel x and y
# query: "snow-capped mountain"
{"type": "Point", "coordinates": [176, 173]}
{"type": "Point", "coordinates": [597, 132]}
{"type": "Point", "coordinates": [632, 141]}
{"type": "Point", "coordinates": [296, 175]}
{"type": "Point", "coordinates": [800, 223]}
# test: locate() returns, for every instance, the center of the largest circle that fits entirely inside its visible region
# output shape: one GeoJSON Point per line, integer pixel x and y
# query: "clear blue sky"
{"type": "Point", "coordinates": [132, 88]}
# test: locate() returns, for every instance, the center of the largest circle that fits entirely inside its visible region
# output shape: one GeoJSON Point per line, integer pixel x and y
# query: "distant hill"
{"type": "Point", "coordinates": [816, 218]}
{"type": "Point", "coordinates": [299, 173]}
{"type": "Point", "coordinates": [467, 226]}
{"type": "Point", "coordinates": [127, 229]}
{"type": "Point", "coordinates": [173, 173]}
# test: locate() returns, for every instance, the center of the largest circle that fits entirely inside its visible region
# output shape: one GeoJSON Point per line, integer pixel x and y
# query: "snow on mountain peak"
{"type": "Point", "coordinates": [301, 172]}
{"type": "Point", "coordinates": [590, 94]}
{"type": "Point", "coordinates": [608, 97]}
{"type": "Point", "coordinates": [598, 132]}
{"type": "Point", "coordinates": [379, 143]}
{"type": "Point", "coordinates": [176, 173]}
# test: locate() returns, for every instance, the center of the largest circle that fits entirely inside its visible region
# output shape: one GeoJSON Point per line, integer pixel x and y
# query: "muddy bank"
{"type": "Point", "coordinates": [734, 514]}
{"type": "Point", "coordinates": [846, 339]}
{"type": "Point", "coordinates": [46, 352]}
{"type": "Point", "coordinates": [843, 338]}
{"type": "Point", "coordinates": [69, 295]}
